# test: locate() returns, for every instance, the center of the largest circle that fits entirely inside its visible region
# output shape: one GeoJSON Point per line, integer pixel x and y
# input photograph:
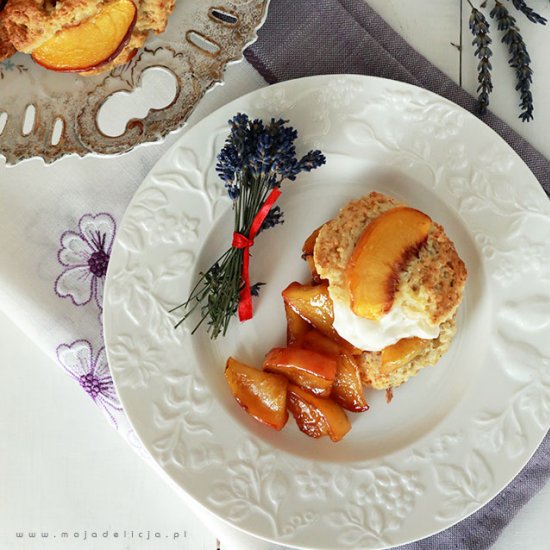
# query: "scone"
{"type": "Point", "coordinates": [30, 23]}
{"type": "Point", "coordinates": [427, 290]}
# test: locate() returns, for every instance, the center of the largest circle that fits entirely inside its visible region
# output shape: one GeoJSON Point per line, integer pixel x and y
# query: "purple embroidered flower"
{"type": "Point", "coordinates": [86, 255]}
{"type": "Point", "coordinates": [92, 373]}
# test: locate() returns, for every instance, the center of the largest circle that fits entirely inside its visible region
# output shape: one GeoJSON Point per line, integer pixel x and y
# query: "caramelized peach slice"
{"type": "Point", "coordinates": [316, 341]}
{"type": "Point", "coordinates": [315, 277]}
{"type": "Point", "coordinates": [307, 255]}
{"type": "Point", "coordinates": [399, 354]}
{"type": "Point", "coordinates": [347, 390]}
{"type": "Point", "coordinates": [93, 43]}
{"type": "Point", "coordinates": [308, 418]}
{"type": "Point", "coordinates": [296, 327]}
{"type": "Point", "coordinates": [382, 251]}
{"type": "Point", "coordinates": [309, 244]}
{"type": "Point", "coordinates": [310, 370]}
{"type": "Point", "coordinates": [262, 395]}
{"type": "Point", "coordinates": [317, 416]}
{"type": "Point", "coordinates": [313, 303]}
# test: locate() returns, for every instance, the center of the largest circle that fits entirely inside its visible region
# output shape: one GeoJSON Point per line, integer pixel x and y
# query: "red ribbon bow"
{"type": "Point", "coordinates": [241, 241]}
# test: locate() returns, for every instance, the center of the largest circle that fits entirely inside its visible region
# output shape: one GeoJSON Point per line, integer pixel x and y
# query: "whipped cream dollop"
{"type": "Point", "coordinates": [370, 335]}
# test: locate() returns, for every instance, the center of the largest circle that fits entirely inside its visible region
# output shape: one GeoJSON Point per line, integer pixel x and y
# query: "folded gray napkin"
{"type": "Point", "coordinates": [310, 37]}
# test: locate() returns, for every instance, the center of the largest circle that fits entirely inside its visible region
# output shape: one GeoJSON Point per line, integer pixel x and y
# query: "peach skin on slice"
{"type": "Point", "coordinates": [347, 389]}
{"type": "Point", "coordinates": [382, 251]}
{"type": "Point", "coordinates": [395, 356]}
{"type": "Point", "coordinates": [296, 327]}
{"type": "Point", "coordinates": [93, 43]}
{"type": "Point", "coordinates": [317, 416]}
{"type": "Point", "coordinates": [308, 369]}
{"type": "Point", "coordinates": [262, 395]}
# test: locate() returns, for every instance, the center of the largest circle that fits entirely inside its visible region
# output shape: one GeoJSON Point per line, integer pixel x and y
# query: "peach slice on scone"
{"type": "Point", "coordinates": [317, 416]}
{"type": "Point", "coordinates": [381, 253]}
{"type": "Point", "coordinates": [399, 354]}
{"type": "Point", "coordinates": [310, 370]}
{"type": "Point", "coordinates": [261, 394]}
{"type": "Point", "coordinates": [91, 44]}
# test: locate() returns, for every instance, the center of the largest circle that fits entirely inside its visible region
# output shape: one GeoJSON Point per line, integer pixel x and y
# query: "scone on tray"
{"type": "Point", "coordinates": [395, 280]}
{"type": "Point", "coordinates": [36, 26]}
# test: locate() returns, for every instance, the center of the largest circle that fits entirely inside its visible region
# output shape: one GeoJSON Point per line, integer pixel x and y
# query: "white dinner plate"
{"type": "Point", "coordinates": [453, 436]}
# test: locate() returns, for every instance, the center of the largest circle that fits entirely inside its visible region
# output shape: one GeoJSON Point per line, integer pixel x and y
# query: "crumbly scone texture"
{"type": "Point", "coordinates": [371, 362]}
{"type": "Point", "coordinates": [431, 284]}
{"type": "Point", "coordinates": [7, 49]}
{"type": "Point", "coordinates": [29, 23]}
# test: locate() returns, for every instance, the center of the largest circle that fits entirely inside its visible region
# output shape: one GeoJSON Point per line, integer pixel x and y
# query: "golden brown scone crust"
{"type": "Point", "coordinates": [7, 49]}
{"type": "Point", "coordinates": [153, 15]}
{"type": "Point", "coordinates": [370, 362]}
{"type": "Point", "coordinates": [432, 283]}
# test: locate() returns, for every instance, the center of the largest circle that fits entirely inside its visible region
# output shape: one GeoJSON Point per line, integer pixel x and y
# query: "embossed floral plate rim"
{"type": "Point", "coordinates": [485, 408]}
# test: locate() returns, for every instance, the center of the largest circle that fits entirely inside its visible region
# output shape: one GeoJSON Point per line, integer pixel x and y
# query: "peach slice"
{"type": "Point", "coordinates": [296, 327]}
{"type": "Point", "coordinates": [93, 43]}
{"type": "Point", "coordinates": [309, 244]}
{"type": "Point", "coordinates": [400, 353]}
{"type": "Point", "coordinates": [308, 418]}
{"type": "Point", "coordinates": [262, 395]}
{"type": "Point", "coordinates": [307, 255]}
{"type": "Point", "coordinates": [316, 341]}
{"type": "Point", "coordinates": [310, 370]}
{"type": "Point", "coordinates": [382, 251]}
{"type": "Point", "coordinates": [313, 303]}
{"type": "Point", "coordinates": [315, 277]}
{"type": "Point", "coordinates": [317, 416]}
{"type": "Point", "coordinates": [347, 390]}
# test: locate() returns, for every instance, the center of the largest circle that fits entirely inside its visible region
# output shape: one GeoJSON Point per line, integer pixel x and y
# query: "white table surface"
{"type": "Point", "coordinates": [63, 472]}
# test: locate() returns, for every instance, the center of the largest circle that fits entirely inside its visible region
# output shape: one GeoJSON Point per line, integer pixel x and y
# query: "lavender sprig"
{"type": "Point", "coordinates": [274, 217]}
{"type": "Point", "coordinates": [255, 159]}
{"type": "Point", "coordinates": [520, 60]}
{"type": "Point", "coordinates": [533, 16]}
{"type": "Point", "coordinates": [480, 29]}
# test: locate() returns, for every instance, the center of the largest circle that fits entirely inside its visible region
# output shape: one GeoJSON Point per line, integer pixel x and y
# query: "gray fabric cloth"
{"type": "Point", "coordinates": [309, 37]}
